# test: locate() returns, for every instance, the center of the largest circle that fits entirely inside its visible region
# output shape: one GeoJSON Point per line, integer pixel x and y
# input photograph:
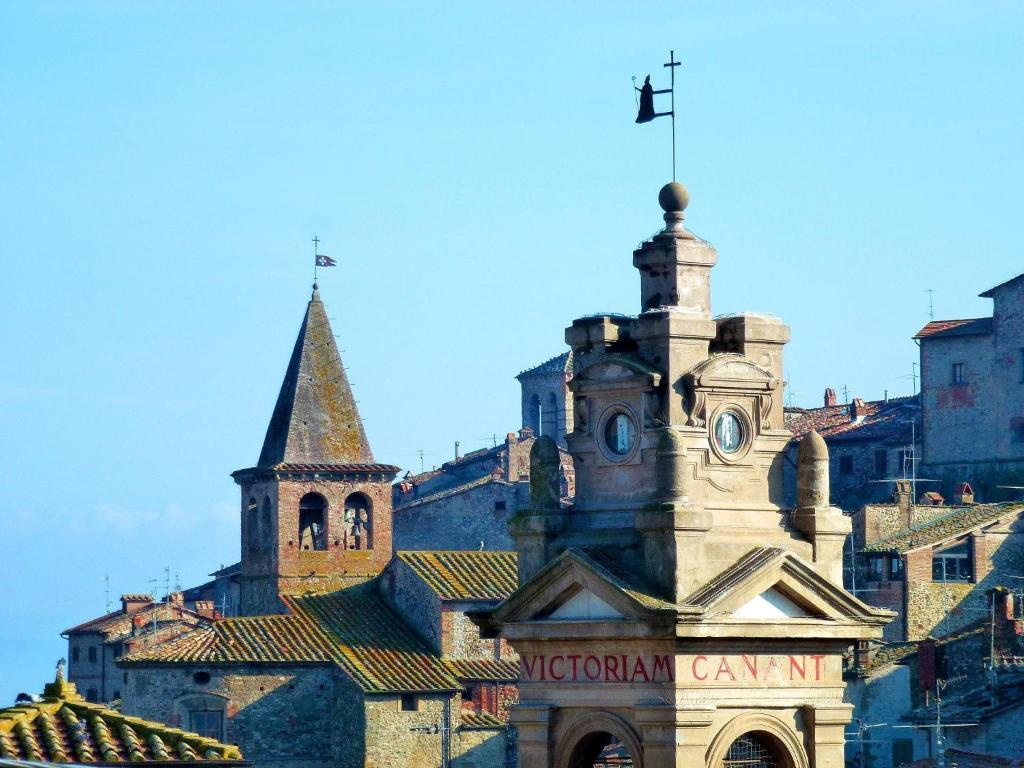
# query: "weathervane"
{"type": "Point", "coordinates": [319, 260]}
{"type": "Point", "coordinates": [646, 111]}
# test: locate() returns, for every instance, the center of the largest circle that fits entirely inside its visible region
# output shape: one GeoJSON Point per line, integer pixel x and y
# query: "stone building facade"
{"type": "Point", "coordinates": [676, 613]}
{"type": "Point", "coordinates": [546, 398]}
{"type": "Point", "coordinates": [869, 442]}
{"type": "Point", "coordinates": [972, 388]}
{"type": "Point", "coordinates": [935, 564]}
{"type": "Point", "coordinates": [141, 622]}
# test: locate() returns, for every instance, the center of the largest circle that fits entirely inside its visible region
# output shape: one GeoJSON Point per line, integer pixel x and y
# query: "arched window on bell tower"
{"type": "Point", "coordinates": [533, 416]}
{"type": "Point", "coordinates": [313, 522]}
{"type": "Point", "coordinates": [268, 539]}
{"type": "Point", "coordinates": [549, 417]}
{"type": "Point", "coordinates": [358, 522]}
{"type": "Point", "coordinates": [253, 538]}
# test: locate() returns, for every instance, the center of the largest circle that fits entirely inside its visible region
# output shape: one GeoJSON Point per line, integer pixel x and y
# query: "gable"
{"type": "Point", "coordinates": [772, 604]}
{"type": "Point", "coordinates": [584, 604]}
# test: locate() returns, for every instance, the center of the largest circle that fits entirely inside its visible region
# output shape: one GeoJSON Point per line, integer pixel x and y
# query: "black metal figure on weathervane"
{"type": "Point", "coordinates": [646, 111]}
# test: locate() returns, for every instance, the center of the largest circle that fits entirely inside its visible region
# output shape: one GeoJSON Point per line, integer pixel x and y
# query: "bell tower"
{"type": "Point", "coordinates": [316, 508]}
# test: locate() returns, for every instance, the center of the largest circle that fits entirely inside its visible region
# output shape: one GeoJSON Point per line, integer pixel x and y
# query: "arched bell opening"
{"type": "Point", "coordinates": [313, 522]}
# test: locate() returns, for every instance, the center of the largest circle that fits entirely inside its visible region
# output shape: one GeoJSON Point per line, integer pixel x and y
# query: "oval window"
{"type": "Point", "coordinates": [728, 432]}
{"type": "Point", "coordinates": [620, 434]}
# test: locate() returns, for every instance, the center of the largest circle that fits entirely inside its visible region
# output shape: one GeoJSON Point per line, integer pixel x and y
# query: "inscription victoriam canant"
{"type": "Point", "coordinates": [711, 669]}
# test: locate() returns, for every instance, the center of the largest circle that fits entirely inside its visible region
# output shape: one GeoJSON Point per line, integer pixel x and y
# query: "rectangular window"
{"type": "Point", "coordinates": [92, 653]}
{"type": "Point", "coordinates": [499, 506]}
{"type": "Point", "coordinates": [902, 752]}
{"type": "Point", "coordinates": [958, 373]}
{"type": "Point", "coordinates": [952, 564]}
{"type": "Point", "coordinates": [409, 702]}
{"type": "Point", "coordinates": [207, 722]}
{"type": "Point", "coordinates": [1022, 365]}
{"type": "Point", "coordinates": [876, 568]}
{"type": "Point", "coordinates": [1017, 429]}
{"type": "Point", "coordinates": [75, 654]}
{"type": "Point", "coordinates": [895, 567]}
{"type": "Point", "coordinates": [846, 465]}
{"type": "Point", "coordinates": [881, 462]}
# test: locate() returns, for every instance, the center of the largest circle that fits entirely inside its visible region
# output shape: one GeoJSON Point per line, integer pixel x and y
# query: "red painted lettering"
{"type": "Point", "coordinates": [795, 667]}
{"type": "Point", "coordinates": [574, 659]}
{"type": "Point", "coordinates": [724, 667]}
{"type": "Point", "coordinates": [693, 668]}
{"type": "Point", "coordinates": [817, 666]}
{"type": "Point", "coordinates": [665, 664]}
{"type": "Point", "coordinates": [611, 667]}
{"type": "Point", "coordinates": [751, 664]}
{"type": "Point", "coordinates": [551, 667]}
{"type": "Point", "coordinates": [597, 667]}
{"type": "Point", "coordinates": [641, 668]}
{"type": "Point", "coordinates": [529, 667]}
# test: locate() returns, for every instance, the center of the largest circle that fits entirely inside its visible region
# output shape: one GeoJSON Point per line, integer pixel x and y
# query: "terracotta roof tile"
{"type": "Point", "coordinates": [481, 720]}
{"type": "Point", "coordinates": [478, 482]}
{"type": "Point", "coordinates": [352, 629]}
{"type": "Point", "coordinates": [974, 326]}
{"type": "Point", "coordinates": [483, 669]}
{"type": "Point", "coordinates": [453, 575]}
{"type": "Point", "coordinates": [119, 623]}
{"type": "Point", "coordinates": [880, 420]}
{"type": "Point", "coordinates": [63, 728]}
{"type": "Point", "coordinates": [958, 520]}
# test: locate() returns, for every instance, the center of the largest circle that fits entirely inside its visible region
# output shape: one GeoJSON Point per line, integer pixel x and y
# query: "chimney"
{"type": "Point", "coordinates": [857, 411]}
{"type": "Point", "coordinates": [904, 499]}
{"type": "Point", "coordinates": [134, 603]}
{"type": "Point", "coordinates": [511, 438]}
{"type": "Point", "coordinates": [963, 494]}
{"type": "Point", "coordinates": [176, 598]}
{"type": "Point", "coordinates": [830, 397]}
{"type": "Point", "coordinates": [205, 608]}
{"type": "Point", "coordinates": [526, 433]}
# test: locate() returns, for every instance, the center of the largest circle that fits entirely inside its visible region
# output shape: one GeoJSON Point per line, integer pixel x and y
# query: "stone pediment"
{"type": "Point", "coordinates": [617, 370]}
{"type": "Point", "coordinates": [731, 371]}
{"type": "Point", "coordinates": [772, 585]}
{"type": "Point", "coordinates": [578, 588]}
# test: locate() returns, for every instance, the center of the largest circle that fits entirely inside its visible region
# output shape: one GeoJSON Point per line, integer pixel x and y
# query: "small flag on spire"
{"type": "Point", "coordinates": [325, 261]}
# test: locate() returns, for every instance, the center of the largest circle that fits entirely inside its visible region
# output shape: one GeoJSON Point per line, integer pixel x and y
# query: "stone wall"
{"type": "Point", "coordinates": [462, 637]}
{"type": "Point", "coordinates": [417, 604]}
{"type": "Point", "coordinates": [883, 697]}
{"type": "Point", "coordinates": [481, 748]}
{"type": "Point", "coordinates": [280, 717]}
{"type": "Point", "coordinates": [463, 520]}
{"type": "Point", "coordinates": [391, 744]}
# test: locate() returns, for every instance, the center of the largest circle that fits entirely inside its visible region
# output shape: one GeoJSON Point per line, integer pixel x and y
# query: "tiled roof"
{"type": "Point", "coordinates": [472, 720]}
{"type": "Point", "coordinates": [387, 469]}
{"type": "Point", "coordinates": [559, 364]}
{"type": "Point", "coordinates": [991, 291]}
{"type": "Point", "coordinates": [958, 520]}
{"type": "Point", "coordinates": [456, 575]}
{"type": "Point", "coordinates": [478, 482]}
{"type": "Point", "coordinates": [63, 728]}
{"type": "Point", "coordinates": [481, 720]}
{"type": "Point", "coordinates": [879, 420]}
{"type": "Point", "coordinates": [483, 669]}
{"type": "Point", "coordinates": [974, 326]}
{"type": "Point", "coordinates": [352, 629]}
{"type": "Point", "coordinates": [118, 623]}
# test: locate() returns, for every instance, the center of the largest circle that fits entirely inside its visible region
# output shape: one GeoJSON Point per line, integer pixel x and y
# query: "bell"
{"type": "Point", "coordinates": [646, 113]}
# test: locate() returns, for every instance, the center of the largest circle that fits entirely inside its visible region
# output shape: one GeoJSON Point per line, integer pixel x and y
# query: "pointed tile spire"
{"type": "Point", "coordinates": [315, 420]}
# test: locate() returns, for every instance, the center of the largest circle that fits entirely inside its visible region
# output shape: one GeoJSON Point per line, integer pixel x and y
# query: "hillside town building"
{"type": "Point", "coordinates": [972, 389]}
{"type": "Point", "coordinates": [141, 622]}
{"type": "Point", "coordinates": [935, 565]}
{"type": "Point", "coordinates": [870, 443]}
{"type": "Point", "coordinates": [676, 613]}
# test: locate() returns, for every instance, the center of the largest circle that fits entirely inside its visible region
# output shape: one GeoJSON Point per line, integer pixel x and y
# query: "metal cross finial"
{"type": "Point", "coordinates": [316, 250]}
{"type": "Point", "coordinates": [672, 64]}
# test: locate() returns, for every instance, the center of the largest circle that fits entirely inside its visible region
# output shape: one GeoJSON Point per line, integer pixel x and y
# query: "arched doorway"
{"type": "Point", "coordinates": [752, 750]}
{"type": "Point", "coordinates": [601, 750]}
{"type": "Point", "coordinates": [597, 740]}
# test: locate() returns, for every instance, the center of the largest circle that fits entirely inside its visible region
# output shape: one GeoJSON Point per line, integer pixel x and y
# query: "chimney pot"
{"type": "Point", "coordinates": [830, 397]}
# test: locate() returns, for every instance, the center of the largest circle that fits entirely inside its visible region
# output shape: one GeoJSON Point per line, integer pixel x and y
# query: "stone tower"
{"type": "Point", "coordinates": [676, 611]}
{"type": "Point", "coordinates": [316, 508]}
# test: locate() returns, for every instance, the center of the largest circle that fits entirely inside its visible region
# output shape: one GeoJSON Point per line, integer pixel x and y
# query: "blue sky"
{"type": "Point", "coordinates": [476, 172]}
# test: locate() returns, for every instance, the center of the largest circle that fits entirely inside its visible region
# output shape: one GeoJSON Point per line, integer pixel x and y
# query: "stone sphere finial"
{"type": "Point", "coordinates": [673, 197]}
